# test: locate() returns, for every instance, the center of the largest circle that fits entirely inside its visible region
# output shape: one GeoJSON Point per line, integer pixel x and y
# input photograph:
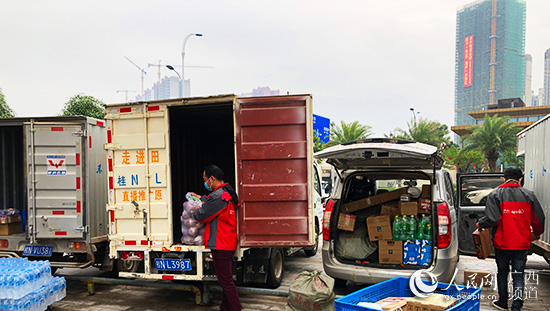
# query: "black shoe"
{"type": "Point", "coordinates": [499, 305]}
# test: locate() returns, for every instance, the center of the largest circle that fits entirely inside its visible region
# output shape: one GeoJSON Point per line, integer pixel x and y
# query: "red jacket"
{"type": "Point", "coordinates": [218, 211]}
{"type": "Point", "coordinates": [514, 212]}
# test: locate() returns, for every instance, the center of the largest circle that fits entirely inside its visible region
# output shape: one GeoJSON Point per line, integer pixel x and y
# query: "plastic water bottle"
{"type": "Point", "coordinates": [412, 221]}
{"type": "Point", "coordinates": [428, 232]}
{"type": "Point", "coordinates": [396, 232]}
{"type": "Point", "coordinates": [420, 228]}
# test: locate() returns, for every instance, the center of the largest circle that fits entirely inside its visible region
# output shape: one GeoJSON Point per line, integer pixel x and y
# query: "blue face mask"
{"type": "Point", "coordinates": [206, 186]}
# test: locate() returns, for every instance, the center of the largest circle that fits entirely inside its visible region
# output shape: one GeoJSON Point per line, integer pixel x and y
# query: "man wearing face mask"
{"type": "Point", "coordinates": [218, 211]}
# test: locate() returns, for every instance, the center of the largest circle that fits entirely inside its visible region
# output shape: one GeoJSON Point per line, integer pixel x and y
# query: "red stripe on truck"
{"type": "Point", "coordinates": [57, 129]}
{"type": "Point", "coordinates": [167, 277]}
{"type": "Point", "coordinates": [109, 137]}
{"type": "Point", "coordinates": [61, 233]}
{"type": "Point", "coordinates": [110, 162]}
{"type": "Point", "coordinates": [77, 159]}
{"type": "Point", "coordinates": [130, 243]}
{"type": "Point", "coordinates": [111, 182]}
{"type": "Point", "coordinates": [100, 123]}
{"type": "Point", "coordinates": [90, 140]}
{"type": "Point", "coordinates": [153, 108]}
{"type": "Point", "coordinates": [78, 183]}
{"type": "Point", "coordinates": [125, 109]}
{"type": "Point", "coordinates": [58, 212]}
{"type": "Point", "coordinates": [78, 206]}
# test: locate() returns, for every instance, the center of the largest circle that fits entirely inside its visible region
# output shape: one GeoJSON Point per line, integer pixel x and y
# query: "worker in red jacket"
{"type": "Point", "coordinates": [218, 211]}
{"type": "Point", "coordinates": [517, 218]}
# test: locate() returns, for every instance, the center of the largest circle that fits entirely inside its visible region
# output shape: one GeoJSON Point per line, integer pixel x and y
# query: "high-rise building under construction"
{"type": "Point", "coordinates": [490, 55]}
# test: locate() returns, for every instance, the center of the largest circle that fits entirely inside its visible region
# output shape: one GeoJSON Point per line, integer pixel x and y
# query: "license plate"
{"type": "Point", "coordinates": [164, 264]}
{"type": "Point", "coordinates": [38, 250]}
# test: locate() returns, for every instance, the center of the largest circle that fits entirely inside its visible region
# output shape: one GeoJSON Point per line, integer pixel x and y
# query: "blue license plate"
{"type": "Point", "coordinates": [38, 250]}
{"type": "Point", "coordinates": [164, 264]}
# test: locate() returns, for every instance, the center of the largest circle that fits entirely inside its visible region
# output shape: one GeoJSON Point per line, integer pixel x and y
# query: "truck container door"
{"type": "Point", "coordinates": [55, 183]}
{"type": "Point", "coordinates": [139, 210]}
{"type": "Point", "coordinates": [274, 138]}
{"type": "Point", "coordinates": [472, 193]}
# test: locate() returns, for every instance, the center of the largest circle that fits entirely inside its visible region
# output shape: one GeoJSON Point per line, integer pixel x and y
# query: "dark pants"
{"type": "Point", "coordinates": [223, 263]}
{"type": "Point", "coordinates": [517, 258]}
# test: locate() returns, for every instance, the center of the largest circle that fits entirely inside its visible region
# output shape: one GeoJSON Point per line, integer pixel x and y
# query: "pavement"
{"type": "Point", "coordinates": [122, 298]}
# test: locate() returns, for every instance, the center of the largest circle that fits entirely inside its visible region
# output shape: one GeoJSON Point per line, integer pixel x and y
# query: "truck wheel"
{"type": "Point", "coordinates": [311, 251]}
{"type": "Point", "coordinates": [131, 266]}
{"type": "Point", "coordinates": [276, 268]}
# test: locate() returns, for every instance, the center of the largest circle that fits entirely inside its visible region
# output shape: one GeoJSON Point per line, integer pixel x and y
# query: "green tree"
{"type": "Point", "coordinates": [510, 159]}
{"type": "Point", "coordinates": [464, 160]}
{"type": "Point", "coordinates": [5, 110]}
{"type": "Point", "coordinates": [83, 105]}
{"type": "Point", "coordinates": [423, 131]}
{"type": "Point", "coordinates": [318, 145]}
{"type": "Point", "coordinates": [493, 138]}
{"type": "Point", "coordinates": [348, 132]}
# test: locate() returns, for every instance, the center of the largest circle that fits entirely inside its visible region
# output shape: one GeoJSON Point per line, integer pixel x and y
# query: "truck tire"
{"type": "Point", "coordinates": [276, 269]}
{"type": "Point", "coordinates": [131, 266]}
{"type": "Point", "coordinates": [312, 251]}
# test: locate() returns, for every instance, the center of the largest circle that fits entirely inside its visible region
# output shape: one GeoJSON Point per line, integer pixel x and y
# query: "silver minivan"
{"type": "Point", "coordinates": [367, 168]}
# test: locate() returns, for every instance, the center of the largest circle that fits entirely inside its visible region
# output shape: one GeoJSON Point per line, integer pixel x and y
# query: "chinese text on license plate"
{"type": "Point", "coordinates": [38, 250]}
{"type": "Point", "coordinates": [172, 264]}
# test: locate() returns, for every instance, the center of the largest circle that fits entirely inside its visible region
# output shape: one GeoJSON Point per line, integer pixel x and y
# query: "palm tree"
{"type": "Point", "coordinates": [494, 137]}
{"type": "Point", "coordinates": [348, 132]}
{"type": "Point", "coordinates": [424, 131]}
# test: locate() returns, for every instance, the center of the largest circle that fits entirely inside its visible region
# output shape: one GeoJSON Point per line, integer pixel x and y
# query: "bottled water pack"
{"type": "Point", "coordinates": [28, 285]}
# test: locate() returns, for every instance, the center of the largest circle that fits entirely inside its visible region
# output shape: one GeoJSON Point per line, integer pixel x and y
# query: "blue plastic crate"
{"type": "Point", "coordinates": [469, 298]}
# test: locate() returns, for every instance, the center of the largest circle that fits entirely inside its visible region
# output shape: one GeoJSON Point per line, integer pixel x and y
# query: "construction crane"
{"type": "Point", "coordinates": [160, 65]}
{"type": "Point", "coordinates": [143, 73]}
{"type": "Point", "coordinates": [126, 92]}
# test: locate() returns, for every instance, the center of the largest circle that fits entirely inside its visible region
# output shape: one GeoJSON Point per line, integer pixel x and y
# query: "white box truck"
{"type": "Point", "coordinates": [53, 171]}
{"type": "Point", "coordinates": [534, 146]}
{"type": "Point", "coordinates": [156, 154]}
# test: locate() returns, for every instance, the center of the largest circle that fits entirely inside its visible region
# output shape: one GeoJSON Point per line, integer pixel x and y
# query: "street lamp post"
{"type": "Point", "coordinates": [183, 61]}
{"type": "Point", "coordinates": [414, 115]}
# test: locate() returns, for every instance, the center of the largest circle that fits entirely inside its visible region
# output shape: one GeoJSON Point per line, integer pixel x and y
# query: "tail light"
{"type": "Point", "coordinates": [131, 256]}
{"type": "Point", "coordinates": [444, 225]}
{"type": "Point", "coordinates": [76, 245]}
{"type": "Point", "coordinates": [4, 244]}
{"type": "Point", "coordinates": [326, 220]}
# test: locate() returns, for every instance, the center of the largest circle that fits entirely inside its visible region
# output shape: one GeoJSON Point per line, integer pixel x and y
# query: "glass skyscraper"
{"type": "Point", "coordinates": [490, 55]}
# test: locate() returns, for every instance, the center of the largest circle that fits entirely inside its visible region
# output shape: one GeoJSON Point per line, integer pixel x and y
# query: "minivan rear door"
{"type": "Point", "coordinates": [382, 153]}
{"type": "Point", "coordinates": [472, 193]}
{"type": "Point", "coordinates": [274, 138]}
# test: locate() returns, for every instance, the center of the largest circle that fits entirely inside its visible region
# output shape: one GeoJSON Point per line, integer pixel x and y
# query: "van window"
{"type": "Point", "coordinates": [316, 182]}
{"type": "Point", "coordinates": [449, 189]}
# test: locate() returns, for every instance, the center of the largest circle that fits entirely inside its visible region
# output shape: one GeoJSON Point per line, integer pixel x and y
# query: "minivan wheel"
{"type": "Point", "coordinates": [276, 268]}
{"type": "Point", "coordinates": [340, 282]}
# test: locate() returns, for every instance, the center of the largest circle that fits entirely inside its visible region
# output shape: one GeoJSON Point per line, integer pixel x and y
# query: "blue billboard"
{"type": "Point", "coordinates": [321, 127]}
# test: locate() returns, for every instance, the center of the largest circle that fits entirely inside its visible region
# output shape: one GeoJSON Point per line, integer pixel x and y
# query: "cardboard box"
{"type": "Point", "coordinates": [10, 219]}
{"type": "Point", "coordinates": [434, 302]}
{"type": "Point", "coordinates": [426, 192]}
{"type": "Point", "coordinates": [482, 243]}
{"type": "Point", "coordinates": [411, 252]}
{"type": "Point", "coordinates": [372, 201]}
{"type": "Point", "coordinates": [426, 252]}
{"type": "Point", "coordinates": [390, 208]}
{"type": "Point", "coordinates": [346, 222]}
{"type": "Point", "coordinates": [405, 197]}
{"type": "Point", "coordinates": [379, 228]}
{"type": "Point", "coordinates": [11, 228]}
{"type": "Point", "coordinates": [392, 303]}
{"type": "Point", "coordinates": [478, 279]}
{"type": "Point", "coordinates": [408, 208]}
{"type": "Point", "coordinates": [390, 252]}
{"type": "Point", "coordinates": [425, 206]}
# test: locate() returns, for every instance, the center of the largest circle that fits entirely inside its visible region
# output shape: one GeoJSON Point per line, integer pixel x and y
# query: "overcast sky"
{"type": "Point", "coordinates": [362, 60]}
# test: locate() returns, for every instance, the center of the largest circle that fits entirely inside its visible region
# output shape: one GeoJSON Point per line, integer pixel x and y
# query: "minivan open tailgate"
{"type": "Point", "coordinates": [382, 153]}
